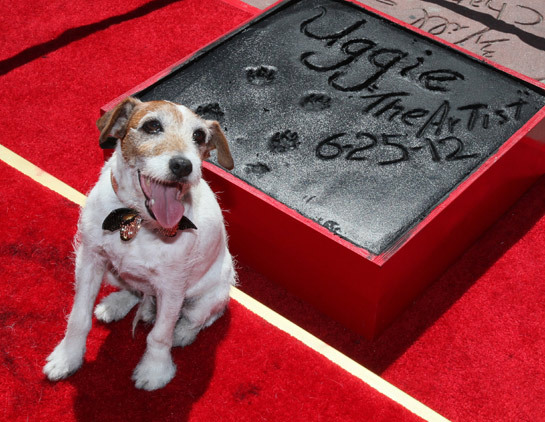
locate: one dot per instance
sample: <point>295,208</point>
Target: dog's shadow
<point>105,391</point>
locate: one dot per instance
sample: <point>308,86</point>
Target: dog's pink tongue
<point>167,209</point>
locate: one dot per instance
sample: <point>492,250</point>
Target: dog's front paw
<point>62,362</point>
<point>152,374</point>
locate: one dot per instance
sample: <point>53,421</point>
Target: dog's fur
<point>187,277</point>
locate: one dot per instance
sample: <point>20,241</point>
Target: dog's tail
<point>145,304</point>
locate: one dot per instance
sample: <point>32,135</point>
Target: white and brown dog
<point>153,227</point>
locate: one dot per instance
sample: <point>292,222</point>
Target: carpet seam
<point>70,35</point>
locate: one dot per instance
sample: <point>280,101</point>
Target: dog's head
<point>163,145</point>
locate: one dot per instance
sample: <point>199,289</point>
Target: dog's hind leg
<point>116,306</point>
<point>200,313</point>
<point>205,306</point>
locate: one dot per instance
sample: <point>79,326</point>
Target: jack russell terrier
<point>152,227</point>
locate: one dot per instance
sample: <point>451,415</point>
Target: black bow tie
<point>128,222</point>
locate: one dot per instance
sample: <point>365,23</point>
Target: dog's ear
<point>113,124</point>
<point>219,141</point>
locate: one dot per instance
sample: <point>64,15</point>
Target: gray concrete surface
<point>509,32</point>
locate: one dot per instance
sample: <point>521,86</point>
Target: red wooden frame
<point>365,292</point>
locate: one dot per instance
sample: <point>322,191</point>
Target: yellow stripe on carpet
<point>273,318</point>
<point>40,176</point>
<point>349,365</point>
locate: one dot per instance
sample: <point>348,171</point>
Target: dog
<point>152,227</point>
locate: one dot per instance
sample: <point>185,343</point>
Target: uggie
<point>153,227</point>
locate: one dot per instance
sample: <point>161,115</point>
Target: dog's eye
<point>152,126</point>
<point>199,137</point>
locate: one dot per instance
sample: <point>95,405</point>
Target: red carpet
<point>240,369</point>
<point>471,348</point>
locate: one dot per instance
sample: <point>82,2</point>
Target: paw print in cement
<point>284,141</point>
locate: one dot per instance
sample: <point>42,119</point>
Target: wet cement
<point>356,123</point>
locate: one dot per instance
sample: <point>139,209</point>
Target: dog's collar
<point>128,221</point>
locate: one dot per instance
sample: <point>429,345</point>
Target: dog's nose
<point>180,166</point>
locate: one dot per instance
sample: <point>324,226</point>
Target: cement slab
<point>511,33</point>
<point>358,124</point>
